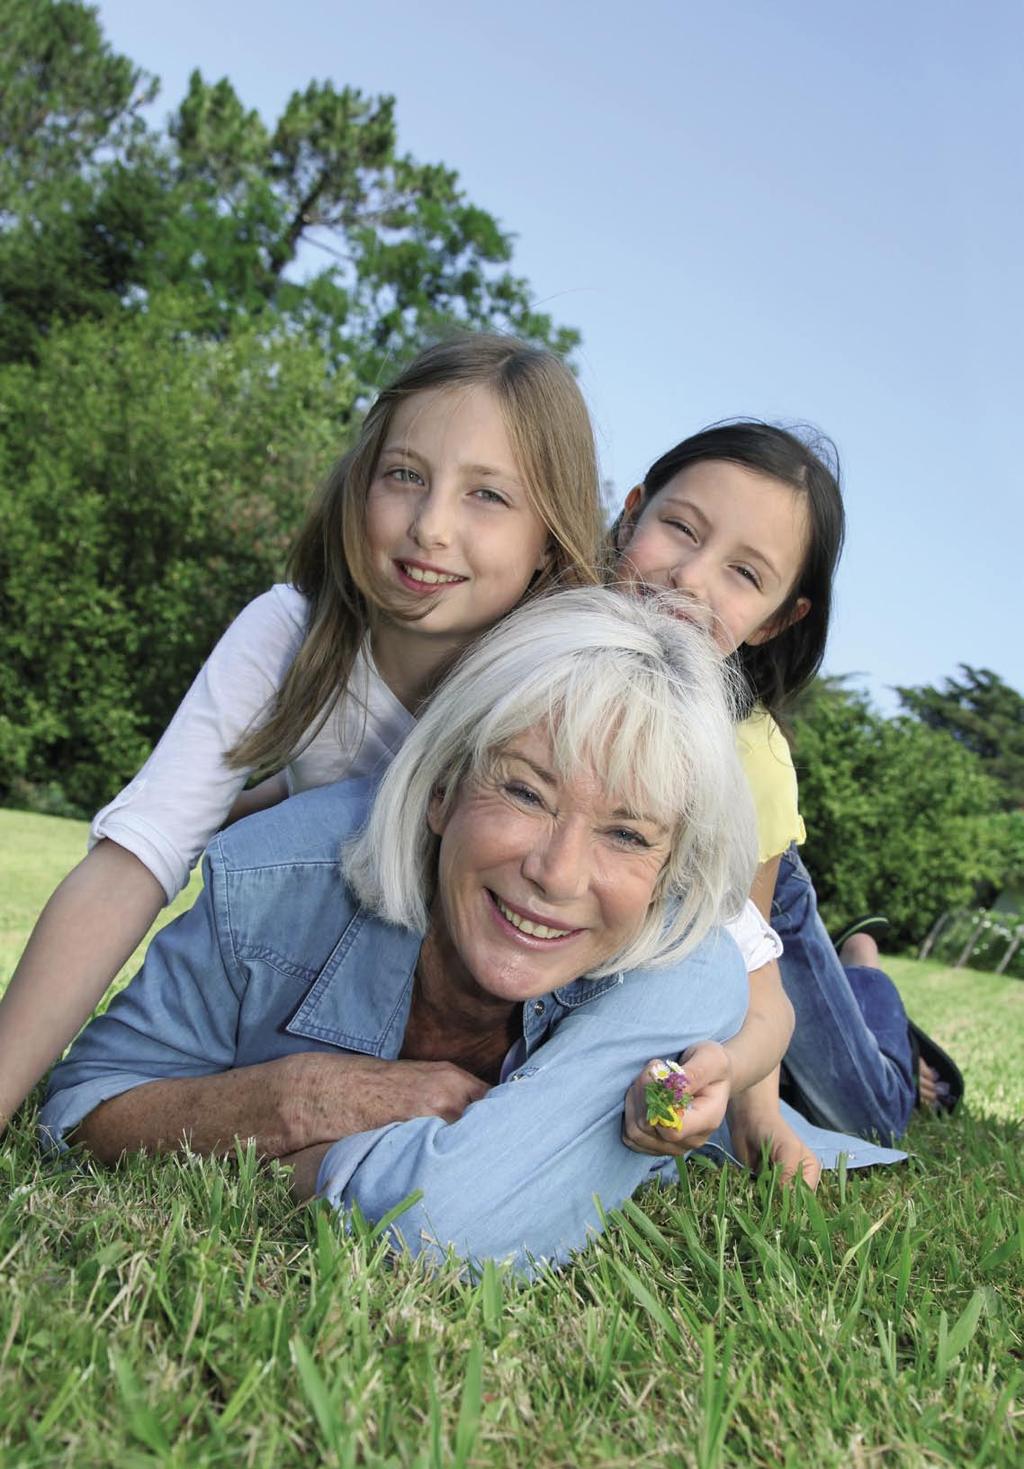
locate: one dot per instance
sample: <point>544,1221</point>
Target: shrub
<point>149,485</point>
<point>901,819</point>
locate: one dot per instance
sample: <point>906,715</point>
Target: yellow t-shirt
<point>764,754</point>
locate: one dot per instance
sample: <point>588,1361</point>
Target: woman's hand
<point>286,1105</point>
<point>709,1073</point>
<point>751,1125</point>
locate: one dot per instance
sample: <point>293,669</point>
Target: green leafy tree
<point>901,818</point>
<point>149,484</point>
<point>75,198</point>
<point>102,213</point>
<point>984,714</point>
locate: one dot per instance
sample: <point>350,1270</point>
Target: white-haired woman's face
<point>540,879</point>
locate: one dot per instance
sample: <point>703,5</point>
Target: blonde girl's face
<point>731,541</point>
<point>449,522</point>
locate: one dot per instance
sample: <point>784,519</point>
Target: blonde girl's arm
<point>146,842</point>
<point>88,930</point>
<point>260,797</point>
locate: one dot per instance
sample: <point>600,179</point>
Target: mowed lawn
<point>182,1312</point>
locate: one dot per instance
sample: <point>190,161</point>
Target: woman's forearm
<point>88,930</point>
<point>286,1105</point>
<point>204,1113</point>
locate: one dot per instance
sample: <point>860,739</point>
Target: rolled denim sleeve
<point>177,1018</point>
<point>518,1176</point>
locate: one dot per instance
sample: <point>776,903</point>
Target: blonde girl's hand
<point>709,1076</point>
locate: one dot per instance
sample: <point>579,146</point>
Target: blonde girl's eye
<point>402,474</point>
<point>490,497</point>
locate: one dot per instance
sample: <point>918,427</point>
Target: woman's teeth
<point>526,925</point>
<point>431,578</point>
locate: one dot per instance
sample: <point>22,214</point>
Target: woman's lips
<point>528,927</point>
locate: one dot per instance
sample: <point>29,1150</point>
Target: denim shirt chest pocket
<point>360,999</point>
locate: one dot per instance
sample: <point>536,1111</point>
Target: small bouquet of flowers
<point>668,1095</point>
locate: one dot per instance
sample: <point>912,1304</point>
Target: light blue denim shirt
<point>277,957</point>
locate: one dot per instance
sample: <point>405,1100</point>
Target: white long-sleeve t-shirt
<point>183,793</point>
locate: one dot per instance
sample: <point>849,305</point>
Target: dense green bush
<point>901,819</point>
<point>149,483</point>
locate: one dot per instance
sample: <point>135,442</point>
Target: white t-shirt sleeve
<point>758,942</point>
<point>183,793</point>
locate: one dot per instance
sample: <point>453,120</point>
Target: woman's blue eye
<point>403,474</point>
<point>629,838</point>
<point>523,793</point>
<point>490,497</point>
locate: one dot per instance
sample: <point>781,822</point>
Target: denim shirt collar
<point>360,999</point>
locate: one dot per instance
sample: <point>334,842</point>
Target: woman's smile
<point>543,877</point>
<point>528,925</point>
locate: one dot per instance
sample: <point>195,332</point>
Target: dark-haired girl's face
<point>731,541</point>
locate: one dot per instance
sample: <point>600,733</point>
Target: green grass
<point>182,1312</point>
<point>35,853</point>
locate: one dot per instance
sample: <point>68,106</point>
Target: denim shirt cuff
<point>342,1159</point>
<point>64,1110</point>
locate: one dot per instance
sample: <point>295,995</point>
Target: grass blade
<point>468,1425</point>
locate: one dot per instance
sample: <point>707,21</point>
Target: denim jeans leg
<point>850,1054</point>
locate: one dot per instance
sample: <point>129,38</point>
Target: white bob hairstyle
<point>624,689</point>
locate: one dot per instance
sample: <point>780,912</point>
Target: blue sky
<point>798,211</point>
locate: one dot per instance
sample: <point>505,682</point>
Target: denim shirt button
<point>538,1007</point>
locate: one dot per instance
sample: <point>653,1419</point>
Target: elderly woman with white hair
<point>525,910</point>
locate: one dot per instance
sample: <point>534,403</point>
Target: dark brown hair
<point>776,670</point>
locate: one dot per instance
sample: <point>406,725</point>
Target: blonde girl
<point>472,486</point>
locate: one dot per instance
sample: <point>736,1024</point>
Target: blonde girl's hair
<point>623,688</point>
<point>552,439</point>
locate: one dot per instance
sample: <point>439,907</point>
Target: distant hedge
<point>901,819</point>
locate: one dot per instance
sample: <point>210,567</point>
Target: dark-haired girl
<point>745,521</point>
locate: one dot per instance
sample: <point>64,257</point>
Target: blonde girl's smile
<point>421,577</point>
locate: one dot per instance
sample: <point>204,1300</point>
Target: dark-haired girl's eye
<point>683,526</point>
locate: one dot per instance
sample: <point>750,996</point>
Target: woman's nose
<point>558,863</point>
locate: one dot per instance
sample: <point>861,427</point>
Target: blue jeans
<point>850,1060</point>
